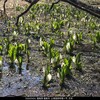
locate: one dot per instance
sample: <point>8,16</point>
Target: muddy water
<point>13,83</point>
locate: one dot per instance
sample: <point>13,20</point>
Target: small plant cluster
<point>15,52</point>
<point>46,47</point>
<point>70,44</point>
<point>47,77</point>
<point>64,68</point>
<point>95,38</point>
<point>50,52</point>
<point>77,61</point>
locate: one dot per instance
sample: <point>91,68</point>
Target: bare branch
<point>54,4</point>
<point>4,6</point>
<point>34,2</point>
<point>78,4</point>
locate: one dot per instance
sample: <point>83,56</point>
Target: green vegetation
<point>77,61</point>
<point>64,26</point>
<point>47,77</point>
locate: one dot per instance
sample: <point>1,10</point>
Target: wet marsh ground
<point>30,82</point>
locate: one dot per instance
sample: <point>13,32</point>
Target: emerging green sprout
<point>80,37</point>
<point>67,65</point>
<point>27,44</point>
<point>56,25</point>
<point>69,46</point>
<point>94,41</point>
<point>77,61</point>
<point>77,37</point>
<point>98,36</point>
<point>46,47</point>
<point>92,25</point>
<point>27,28</point>
<point>16,61</point>
<point>0,61</point>
<point>41,41</point>
<point>51,42</point>
<point>15,33</point>
<point>55,58</point>
<point>21,20</point>
<point>61,74</point>
<point>47,77</point>
<point>64,71</point>
<point>7,43</point>
<point>12,54</point>
<point>20,49</point>
<point>1,49</point>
